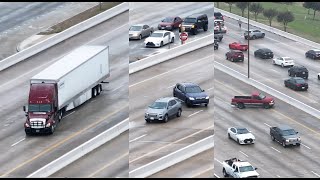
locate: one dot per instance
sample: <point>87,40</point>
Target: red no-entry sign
<point>183,36</point>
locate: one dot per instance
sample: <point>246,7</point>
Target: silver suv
<point>254,34</point>
<point>162,109</point>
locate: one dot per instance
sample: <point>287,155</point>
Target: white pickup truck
<point>236,168</point>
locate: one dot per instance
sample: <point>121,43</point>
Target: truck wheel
<point>229,136</point>
<point>60,115</point>
<point>165,118</point>
<point>318,77</point>
<point>94,92</point>
<point>224,173</point>
<point>298,144</point>
<point>98,87</point>
<point>283,144</point>
<point>240,105</point>
<point>147,120</point>
<point>52,129</point>
<point>179,113</point>
<point>266,106</point>
<point>272,138</point>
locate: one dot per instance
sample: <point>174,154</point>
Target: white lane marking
<point>276,149</point>
<point>117,88</point>
<point>46,64</point>
<point>210,88</point>
<point>164,142</point>
<point>305,146</point>
<point>218,160</point>
<point>92,100</point>
<point>315,174</point>
<point>18,142</point>
<point>195,113</point>
<point>216,175</point>
<point>267,124</point>
<point>202,172</point>
<point>171,86</point>
<point>180,67</point>
<point>243,153</point>
<point>137,138</point>
<point>69,114</point>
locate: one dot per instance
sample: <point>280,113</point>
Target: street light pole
<point>248,45</point>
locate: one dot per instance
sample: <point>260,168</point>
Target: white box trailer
<point>76,74</point>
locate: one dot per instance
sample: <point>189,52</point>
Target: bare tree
<point>230,5</point>
<point>242,6</point>
<point>256,8</point>
<point>285,18</point>
<point>315,7</point>
<point>270,14</point>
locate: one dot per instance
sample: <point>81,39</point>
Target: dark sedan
<point>170,23</point>
<point>235,55</point>
<point>191,94</point>
<point>264,53</point>
<point>296,83</point>
<point>313,54</point>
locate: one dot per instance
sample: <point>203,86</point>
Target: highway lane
<point>20,20</point>
<point>263,70</point>
<point>271,159</point>
<point>151,141</point>
<point>113,161</point>
<point>187,169</point>
<point>23,155</point>
<point>151,13</point>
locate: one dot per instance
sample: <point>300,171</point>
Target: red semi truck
<point>256,99</point>
<point>66,84</point>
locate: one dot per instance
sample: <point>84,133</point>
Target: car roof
<point>188,84</point>
<point>265,49</point>
<point>242,163</point>
<point>165,99</point>
<point>161,31</point>
<point>315,49</point>
<point>239,128</point>
<point>217,13</point>
<point>195,15</point>
<point>237,51</point>
<point>284,127</point>
<point>138,25</point>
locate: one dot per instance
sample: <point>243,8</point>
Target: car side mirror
<point>297,132</point>
<point>24,108</point>
<point>202,90</point>
<point>255,168</point>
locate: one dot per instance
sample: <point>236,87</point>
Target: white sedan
<point>241,135</point>
<point>283,61</point>
<point>159,38</point>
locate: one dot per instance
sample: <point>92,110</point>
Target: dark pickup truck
<point>285,135</point>
<point>256,99</point>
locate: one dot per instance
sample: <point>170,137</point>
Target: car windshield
<point>300,81</point>
<point>193,89</point>
<point>246,168</point>
<point>287,59</point>
<point>167,19</point>
<point>317,52</point>
<point>288,132</point>
<point>135,28</point>
<point>242,131</point>
<point>158,105</point>
<point>261,96</point>
<point>190,20</point>
<point>267,50</point>
<point>156,35</point>
<point>39,108</point>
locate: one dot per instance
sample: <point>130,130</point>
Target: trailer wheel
<point>60,115</point>
<point>94,92</point>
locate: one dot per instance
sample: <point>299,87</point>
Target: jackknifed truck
<point>66,84</point>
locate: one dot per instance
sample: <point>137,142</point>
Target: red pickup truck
<point>238,46</point>
<point>256,99</point>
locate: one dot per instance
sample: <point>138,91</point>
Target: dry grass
<point>79,18</point>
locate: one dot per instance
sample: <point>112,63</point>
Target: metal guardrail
<point>271,29</point>
<point>288,99</point>
<point>81,150</point>
<point>172,158</point>
<point>76,29</point>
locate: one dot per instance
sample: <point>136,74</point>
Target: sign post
<point>183,37</point>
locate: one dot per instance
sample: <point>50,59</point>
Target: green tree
<point>230,5</point>
<point>308,5</point>
<point>285,18</point>
<point>242,6</point>
<point>270,14</point>
<point>256,8</point>
<point>315,7</point>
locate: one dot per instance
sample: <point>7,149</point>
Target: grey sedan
<point>162,109</point>
<point>139,31</point>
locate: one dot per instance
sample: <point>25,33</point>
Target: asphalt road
<point>20,20</point>
<point>151,141</point>
<point>263,70</point>
<point>23,155</point>
<point>271,159</point>
<point>151,13</point>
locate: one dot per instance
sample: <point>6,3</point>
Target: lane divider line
<point>276,149</point>
<point>195,113</point>
<point>137,138</point>
<point>243,153</point>
<point>315,174</point>
<point>18,142</point>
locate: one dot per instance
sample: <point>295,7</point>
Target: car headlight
<point>135,34</point>
<point>193,26</point>
<point>191,98</point>
<point>179,25</point>
<point>287,140</point>
<point>299,139</point>
<point>27,125</point>
<point>48,125</point>
<point>207,97</point>
<point>147,114</point>
<point>168,26</point>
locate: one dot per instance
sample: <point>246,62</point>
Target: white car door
<point>279,61</point>
<point>166,38</point>
<point>233,134</point>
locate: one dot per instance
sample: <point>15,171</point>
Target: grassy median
<point>303,25</point>
<point>80,17</point>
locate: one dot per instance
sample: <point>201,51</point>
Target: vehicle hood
<point>245,136</point>
<point>187,24</point>
<point>134,32</point>
<point>248,174</point>
<point>201,94</point>
<point>155,111</point>
<point>166,23</point>
<point>153,39</point>
<point>268,99</point>
<point>295,136</point>
<point>43,115</point>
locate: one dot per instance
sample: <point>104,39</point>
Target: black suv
<point>195,22</point>
<point>298,71</point>
<point>264,53</point>
<point>218,15</point>
<point>191,94</point>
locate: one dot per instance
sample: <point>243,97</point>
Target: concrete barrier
<point>271,29</point>
<point>76,29</point>
<point>82,150</point>
<point>172,158</point>
<point>172,53</point>
<point>298,104</point>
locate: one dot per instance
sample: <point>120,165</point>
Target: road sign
<point>183,36</point>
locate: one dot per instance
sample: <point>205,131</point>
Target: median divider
<point>76,29</point>
<point>82,150</point>
<point>298,104</point>
<point>271,29</point>
<point>172,53</point>
<point>172,158</point>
